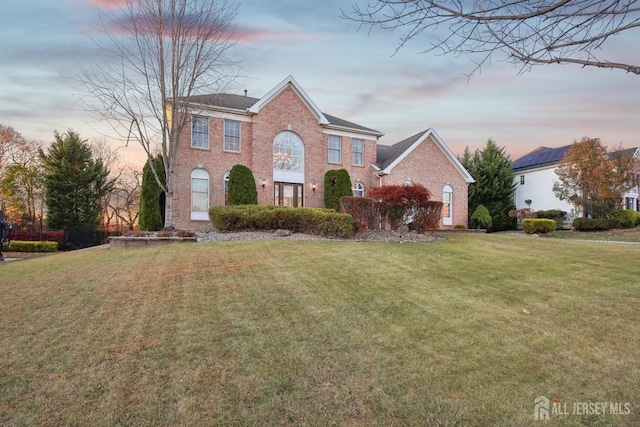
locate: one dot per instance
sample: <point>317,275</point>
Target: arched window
<point>447,205</point>
<point>288,152</point>
<point>199,194</point>
<point>358,189</point>
<point>226,188</point>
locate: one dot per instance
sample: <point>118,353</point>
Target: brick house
<point>289,145</point>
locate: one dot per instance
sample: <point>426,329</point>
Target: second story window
<point>358,190</point>
<point>231,136</point>
<point>199,132</point>
<point>335,149</point>
<point>357,152</point>
<point>521,179</point>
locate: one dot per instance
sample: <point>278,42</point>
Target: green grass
<point>618,235</point>
<point>321,333</point>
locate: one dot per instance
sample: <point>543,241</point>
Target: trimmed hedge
<point>33,236</point>
<point>625,218</point>
<point>326,222</point>
<point>538,225</point>
<point>551,214</point>
<point>588,224</point>
<point>28,246</point>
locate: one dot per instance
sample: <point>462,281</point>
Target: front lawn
<point>468,331</point>
<point>618,235</point>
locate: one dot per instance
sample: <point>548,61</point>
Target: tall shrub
<point>337,183</point>
<point>242,186</point>
<point>152,196</point>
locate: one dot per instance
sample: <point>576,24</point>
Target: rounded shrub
<point>481,217</point>
<point>538,225</point>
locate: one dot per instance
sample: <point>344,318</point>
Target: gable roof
<point>289,81</point>
<point>390,156</point>
<point>247,104</point>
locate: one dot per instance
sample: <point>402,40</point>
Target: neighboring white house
<point>535,175</point>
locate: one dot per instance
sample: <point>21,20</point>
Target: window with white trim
<point>335,149</point>
<point>199,132</point>
<point>357,152</point>
<point>231,136</point>
<point>288,152</point>
<point>521,179</point>
<point>199,194</point>
<point>447,202</point>
<point>226,188</point>
<point>358,190</point>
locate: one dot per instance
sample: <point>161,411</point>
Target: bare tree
<point>159,52</point>
<point>109,157</point>
<point>12,143</point>
<point>124,199</point>
<point>528,32</point>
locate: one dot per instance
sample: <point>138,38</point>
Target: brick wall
<point>288,112</point>
<point>428,165</point>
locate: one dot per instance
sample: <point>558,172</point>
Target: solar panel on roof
<point>540,158</point>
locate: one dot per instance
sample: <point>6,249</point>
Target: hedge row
<point>550,214</point>
<point>588,224</point>
<point>29,246</point>
<point>538,225</point>
<point>325,222</point>
<point>625,218</point>
<point>31,236</point>
<point>616,219</point>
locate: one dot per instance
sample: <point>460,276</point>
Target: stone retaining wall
<point>126,242</point>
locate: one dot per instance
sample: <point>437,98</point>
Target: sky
<point>347,71</point>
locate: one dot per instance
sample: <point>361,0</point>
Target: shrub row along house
<point>289,145</point>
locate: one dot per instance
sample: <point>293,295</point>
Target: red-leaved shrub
<point>364,210</point>
<point>398,202</point>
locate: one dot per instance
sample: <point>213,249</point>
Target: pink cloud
<point>108,4</point>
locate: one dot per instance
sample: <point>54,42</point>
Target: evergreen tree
<point>74,183</point>
<point>467,159</point>
<point>152,196</point>
<point>337,183</point>
<point>242,186</point>
<point>494,186</point>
